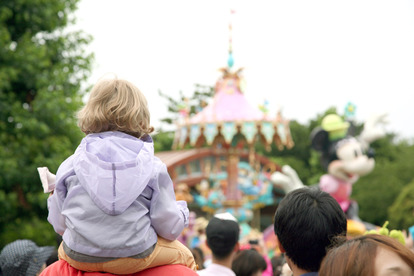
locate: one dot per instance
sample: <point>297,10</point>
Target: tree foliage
<point>163,141</point>
<point>393,171</point>
<point>198,100</point>
<point>42,68</point>
<point>401,212</point>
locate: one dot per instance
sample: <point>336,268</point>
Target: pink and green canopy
<point>229,115</point>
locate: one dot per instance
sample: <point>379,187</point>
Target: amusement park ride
<point>214,151</point>
<point>215,167</point>
<point>222,162</point>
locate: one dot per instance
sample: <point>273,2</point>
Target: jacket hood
<point>114,168</point>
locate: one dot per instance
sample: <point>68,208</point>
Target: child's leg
<point>165,252</point>
<point>78,265</point>
<point>171,252</point>
<point>118,266</point>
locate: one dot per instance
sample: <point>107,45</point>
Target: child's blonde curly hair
<point>115,105</point>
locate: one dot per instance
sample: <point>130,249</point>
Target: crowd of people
<point>114,207</point>
<point>310,229</point>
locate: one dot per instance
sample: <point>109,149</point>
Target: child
<point>114,201</point>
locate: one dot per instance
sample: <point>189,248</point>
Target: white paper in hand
<point>47,178</point>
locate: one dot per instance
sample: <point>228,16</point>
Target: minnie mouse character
<point>344,157</point>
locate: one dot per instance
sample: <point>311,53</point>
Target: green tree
<point>163,141</point>
<point>377,191</point>
<point>401,211</point>
<point>198,100</point>
<point>42,68</point>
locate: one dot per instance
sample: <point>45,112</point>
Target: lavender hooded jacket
<point>113,197</point>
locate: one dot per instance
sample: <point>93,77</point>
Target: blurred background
<point>305,58</point>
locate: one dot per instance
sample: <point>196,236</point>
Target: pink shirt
<point>62,268</point>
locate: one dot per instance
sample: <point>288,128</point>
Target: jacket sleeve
<point>55,201</point>
<point>54,205</point>
<point>168,216</point>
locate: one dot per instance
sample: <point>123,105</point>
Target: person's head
<point>306,221</point>
<point>369,255</point>
<point>222,234</point>
<point>277,264</point>
<point>248,263</point>
<point>24,258</point>
<point>115,105</point>
<point>198,257</point>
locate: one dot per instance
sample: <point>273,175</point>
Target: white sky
<point>303,56</point>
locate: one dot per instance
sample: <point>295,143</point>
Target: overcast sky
<point>302,56</point>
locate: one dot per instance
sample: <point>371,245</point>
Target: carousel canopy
<point>230,115</point>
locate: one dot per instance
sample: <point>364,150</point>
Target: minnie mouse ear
<point>320,139</point>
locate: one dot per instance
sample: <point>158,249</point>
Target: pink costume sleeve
<point>328,184</point>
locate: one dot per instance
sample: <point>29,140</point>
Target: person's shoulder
<point>65,168</point>
<point>215,269</point>
<point>62,268</point>
<point>176,269</point>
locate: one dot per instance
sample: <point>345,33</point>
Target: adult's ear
<point>320,139</point>
<point>236,247</point>
<point>280,245</point>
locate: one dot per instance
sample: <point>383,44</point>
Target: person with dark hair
<point>222,233</point>
<point>249,263</point>
<point>24,258</point>
<point>277,264</point>
<point>368,255</point>
<point>306,221</point>
<point>198,257</point>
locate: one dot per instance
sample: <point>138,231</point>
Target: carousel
<point>214,164</point>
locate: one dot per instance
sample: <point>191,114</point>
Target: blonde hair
<point>115,105</point>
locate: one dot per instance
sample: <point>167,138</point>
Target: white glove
<point>288,179</point>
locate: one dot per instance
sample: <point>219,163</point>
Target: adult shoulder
<point>62,268</point>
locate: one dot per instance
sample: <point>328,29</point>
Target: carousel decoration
<point>231,126</point>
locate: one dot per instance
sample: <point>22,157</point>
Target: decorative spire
<point>230,60</point>
<point>350,111</point>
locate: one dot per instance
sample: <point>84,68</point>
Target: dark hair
<point>357,256</point>
<point>277,264</point>
<point>198,257</point>
<point>248,262</point>
<point>306,222</point>
<point>222,236</point>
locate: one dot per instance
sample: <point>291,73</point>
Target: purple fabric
<point>113,197</point>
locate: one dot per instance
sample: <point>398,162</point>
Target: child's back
<point>117,196</point>
<point>113,198</point>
